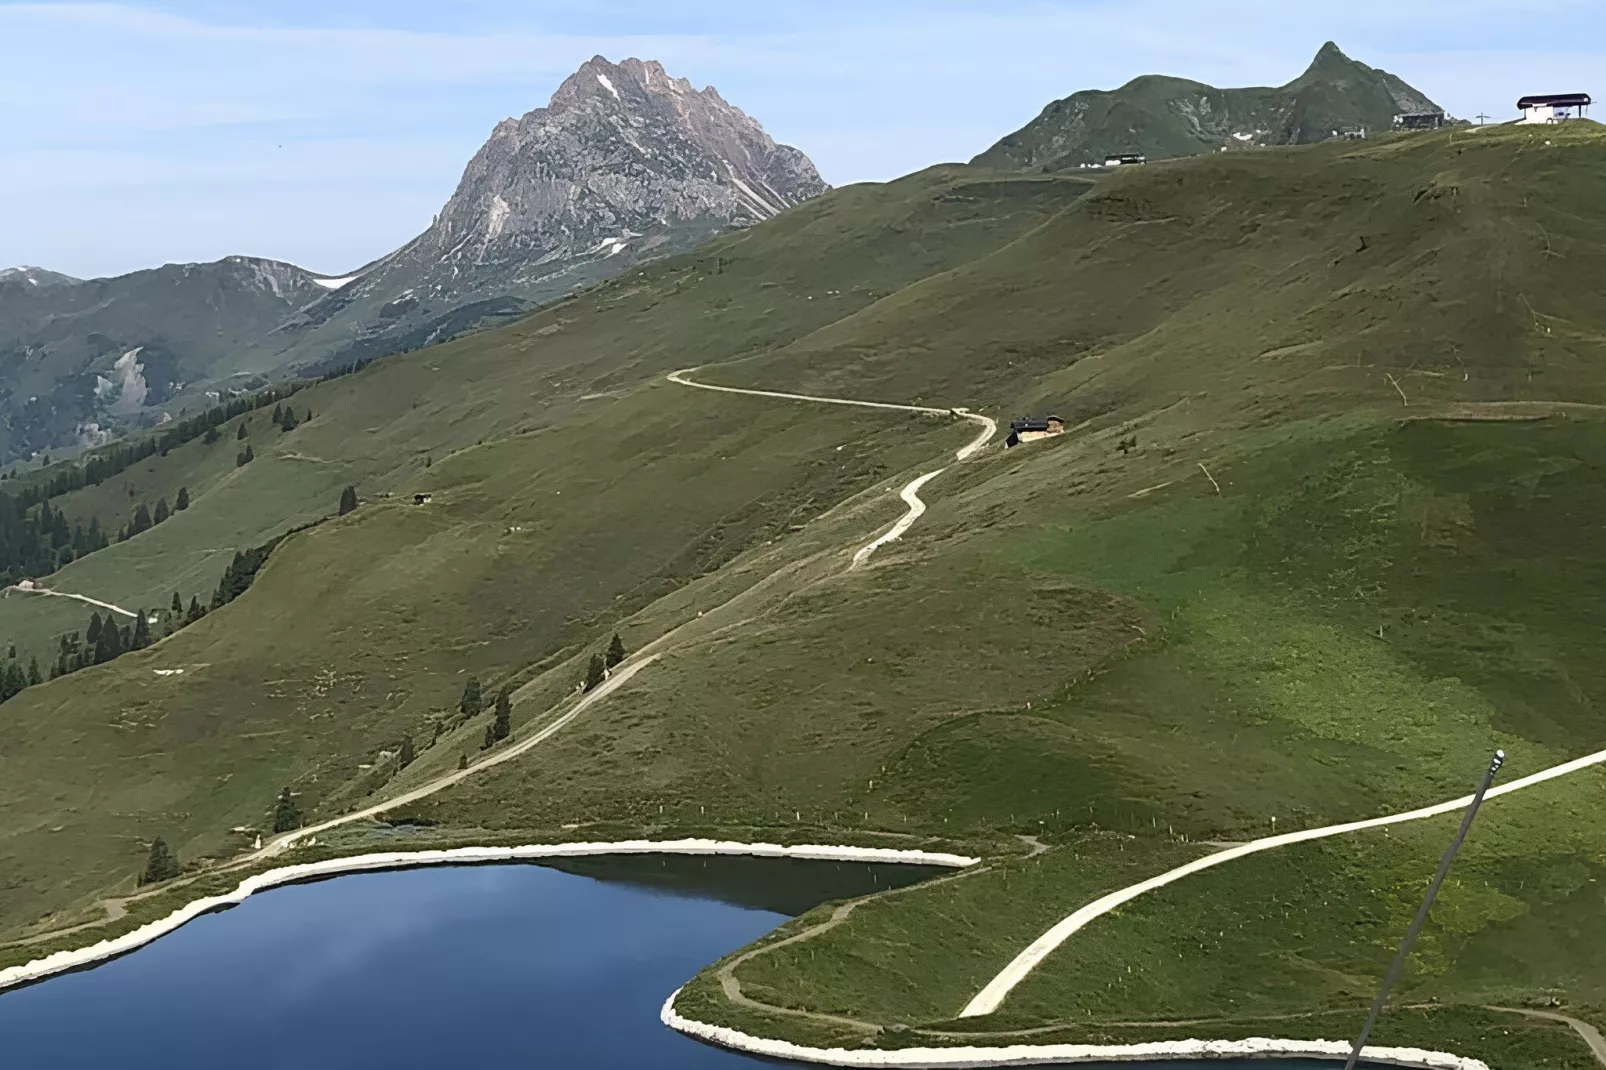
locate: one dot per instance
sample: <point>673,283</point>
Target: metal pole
<point>1422,915</point>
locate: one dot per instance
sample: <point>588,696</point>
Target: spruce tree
<point>109,644</point>
<point>348,500</point>
<point>211,435</point>
<point>182,502</point>
<point>407,755</point>
<point>286,814</point>
<point>462,761</point>
<point>142,519</point>
<point>244,457</point>
<point>472,702</point>
<point>93,634</point>
<point>241,433</point>
<point>195,612</point>
<point>160,865</point>
<point>616,651</point>
<point>595,672</point>
<point>289,423</point>
<point>490,738</point>
<point>278,413</point>
<point>161,511</point>
<point>502,724</point>
<point>178,606</point>
<point>142,631</point>
<point>13,651</point>
<point>34,676</point>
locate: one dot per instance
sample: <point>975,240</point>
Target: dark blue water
<point>491,966</point>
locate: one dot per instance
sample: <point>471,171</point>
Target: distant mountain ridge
<point>1163,117</point>
<point>625,163</point>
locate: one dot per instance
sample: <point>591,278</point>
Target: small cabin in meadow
<point>420,499</point>
<point>1031,428</point>
<point>1124,159</point>
<point>1553,107</point>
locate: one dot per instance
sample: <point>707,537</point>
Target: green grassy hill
<point>1165,117</point>
<point>1352,553</point>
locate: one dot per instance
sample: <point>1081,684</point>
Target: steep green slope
<point>115,353</point>
<point>571,487</point>
<point>1350,555</point>
<point>1164,117</point>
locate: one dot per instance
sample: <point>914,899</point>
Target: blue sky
<point>327,133</point>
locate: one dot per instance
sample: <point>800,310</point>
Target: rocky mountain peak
<point>623,155</point>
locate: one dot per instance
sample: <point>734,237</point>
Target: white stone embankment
<point>1058,1054</point>
<point>62,961</point>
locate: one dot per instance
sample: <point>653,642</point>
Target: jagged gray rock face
<point>625,162</point>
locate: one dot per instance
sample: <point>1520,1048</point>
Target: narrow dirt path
<point>990,997</point>
<point>911,490</point>
<point>731,985</point>
<point>1591,1035</point>
<point>116,908</point>
<point>33,588</point>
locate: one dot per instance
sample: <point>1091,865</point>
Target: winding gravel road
<point>911,490</point>
<point>990,997</point>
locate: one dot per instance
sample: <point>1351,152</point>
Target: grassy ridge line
<point>996,990</point>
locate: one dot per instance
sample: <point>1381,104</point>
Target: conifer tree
<point>34,676</point>
<point>92,636</point>
<point>472,702</point>
<point>490,738</point>
<point>142,631</point>
<point>160,865</point>
<point>109,644</point>
<point>502,724</point>
<point>178,606</point>
<point>182,502</point>
<point>195,612</point>
<point>241,433</point>
<point>142,520</point>
<point>348,500</point>
<point>161,511</point>
<point>286,814</point>
<point>407,755</point>
<point>595,672</point>
<point>278,413</point>
<point>211,436</point>
<point>289,423</point>
<point>616,651</point>
<point>462,761</point>
<point>12,680</point>
<point>13,651</point>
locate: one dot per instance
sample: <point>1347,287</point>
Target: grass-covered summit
<point>1164,117</point>
<point>1350,555</point>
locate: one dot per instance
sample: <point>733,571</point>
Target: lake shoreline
<point>74,959</point>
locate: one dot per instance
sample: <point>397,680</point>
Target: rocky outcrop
<point>625,162</point>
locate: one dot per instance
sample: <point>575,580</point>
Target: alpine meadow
<point>1322,532</point>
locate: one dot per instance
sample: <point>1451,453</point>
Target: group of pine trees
<point>107,461</point>
<point>39,542</point>
<point>105,639</point>
<point>145,518</point>
<point>599,665</point>
<point>284,417</point>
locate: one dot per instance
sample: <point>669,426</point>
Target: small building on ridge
<point>1553,107</point>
